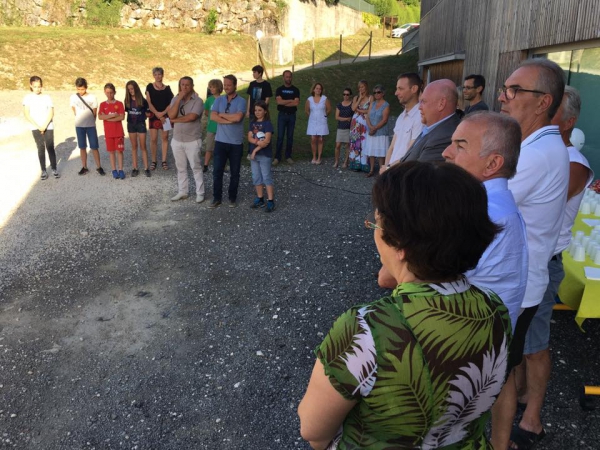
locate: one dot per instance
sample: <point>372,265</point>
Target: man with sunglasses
<point>473,88</point>
<point>532,95</point>
<point>228,111</point>
<point>185,112</point>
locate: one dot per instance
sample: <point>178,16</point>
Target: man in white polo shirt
<point>532,95</point>
<point>408,125</point>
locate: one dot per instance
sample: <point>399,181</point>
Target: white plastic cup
<point>579,253</point>
<point>581,234</point>
<point>597,259</point>
<point>593,250</point>
<point>586,208</point>
<point>585,241</point>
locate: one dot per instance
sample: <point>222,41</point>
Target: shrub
<point>371,20</point>
<point>210,24</point>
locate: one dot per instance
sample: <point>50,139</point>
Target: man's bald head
<point>438,101</point>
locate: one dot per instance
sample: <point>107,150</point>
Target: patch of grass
<point>383,71</point>
<point>61,54</point>
<point>329,49</point>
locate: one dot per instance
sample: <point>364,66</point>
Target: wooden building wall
<point>494,35</point>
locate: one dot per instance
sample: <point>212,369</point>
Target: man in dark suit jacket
<point>440,119</point>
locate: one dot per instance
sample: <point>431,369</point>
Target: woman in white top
<point>317,108</point>
<point>39,111</point>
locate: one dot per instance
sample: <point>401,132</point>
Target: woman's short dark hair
<point>437,214</point>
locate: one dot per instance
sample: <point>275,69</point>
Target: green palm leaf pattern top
<point>425,365</point>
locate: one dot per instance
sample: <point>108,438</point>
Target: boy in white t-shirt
<point>85,108</point>
<point>39,111</point>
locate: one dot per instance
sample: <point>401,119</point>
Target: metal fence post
<point>340,61</point>
<point>370,43</point>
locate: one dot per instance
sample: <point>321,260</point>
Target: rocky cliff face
<point>296,19</point>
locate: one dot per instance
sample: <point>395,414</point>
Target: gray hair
<point>551,79</point>
<point>158,70</point>
<point>379,87</point>
<point>571,103</point>
<point>502,136</point>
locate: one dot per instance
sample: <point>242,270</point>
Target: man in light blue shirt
<point>487,145</point>
<point>228,111</point>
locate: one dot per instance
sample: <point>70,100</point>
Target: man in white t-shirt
<point>537,340</point>
<point>408,125</point>
<point>532,94</point>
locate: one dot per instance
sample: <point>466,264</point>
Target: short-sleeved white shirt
<point>408,127</point>
<point>39,105</point>
<point>83,116</point>
<point>540,190</point>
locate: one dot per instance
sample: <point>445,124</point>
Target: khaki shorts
<point>209,142</point>
<point>343,136</point>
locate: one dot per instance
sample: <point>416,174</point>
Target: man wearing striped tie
<point>532,95</point>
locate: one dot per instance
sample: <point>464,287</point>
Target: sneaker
<point>290,161</point>
<point>179,197</point>
<point>135,173</point>
<point>199,198</point>
<point>147,172</point>
<point>115,174</point>
<point>83,171</point>
<point>44,175</point>
<point>259,202</point>
<point>270,206</point>
<point>55,173</point>
<point>275,162</point>
<point>232,204</point>
<point>205,169</point>
<point>100,171</point>
<point>121,174</point>
<point>214,204</point>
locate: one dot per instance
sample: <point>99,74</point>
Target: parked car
<point>400,31</point>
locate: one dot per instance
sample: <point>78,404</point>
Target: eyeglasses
<point>227,107</point>
<point>377,92</point>
<point>511,92</point>
<point>346,94</point>
<point>468,88</point>
<point>370,222</point>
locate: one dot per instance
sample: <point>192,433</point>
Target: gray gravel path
<point>131,322</point>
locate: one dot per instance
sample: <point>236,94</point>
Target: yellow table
<point>576,291</point>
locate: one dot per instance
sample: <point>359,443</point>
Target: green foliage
<point>332,2</point>
<point>105,13</point>
<point>370,20</point>
<point>210,23</point>
<point>409,14</point>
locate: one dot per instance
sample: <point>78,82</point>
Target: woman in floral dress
<point>358,128</point>
<point>422,367</point>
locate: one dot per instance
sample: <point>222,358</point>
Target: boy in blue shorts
<point>85,108</point>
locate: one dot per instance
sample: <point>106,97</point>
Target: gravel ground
<point>131,322</point>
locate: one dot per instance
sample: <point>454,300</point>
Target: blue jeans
<point>222,153</point>
<point>285,124</point>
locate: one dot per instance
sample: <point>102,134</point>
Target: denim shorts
<point>261,171</point>
<point>137,127</point>
<point>92,137</point>
<point>538,335</point>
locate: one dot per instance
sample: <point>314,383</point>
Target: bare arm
<point>173,109</point>
<point>388,154</point>
<point>150,105</point>
<point>578,175</point>
<point>322,410</point>
<point>307,108</point>
<point>327,107</point>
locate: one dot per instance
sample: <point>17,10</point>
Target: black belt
<point>555,257</point>
<point>288,113</point>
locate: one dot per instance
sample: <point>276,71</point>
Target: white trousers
<point>185,152</point>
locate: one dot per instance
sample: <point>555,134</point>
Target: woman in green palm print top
<point>422,367</point>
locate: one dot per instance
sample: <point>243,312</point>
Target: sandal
<point>153,165</point>
<point>525,440</point>
<point>165,166</point>
<point>369,175</point>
